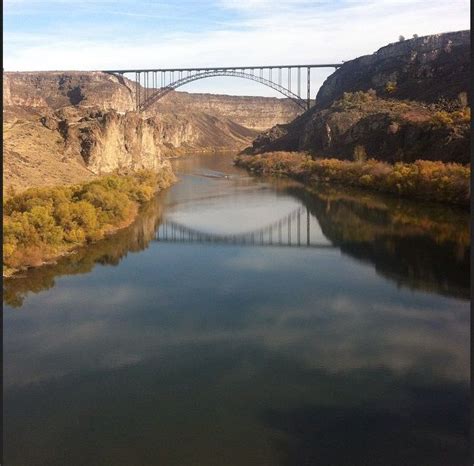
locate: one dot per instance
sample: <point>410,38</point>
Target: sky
<point>124,34</point>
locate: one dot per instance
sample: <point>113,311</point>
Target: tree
<point>401,38</point>
<point>415,36</point>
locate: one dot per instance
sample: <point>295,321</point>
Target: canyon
<point>65,127</point>
<point>408,100</point>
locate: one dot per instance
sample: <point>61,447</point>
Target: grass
<point>423,179</point>
<point>41,224</point>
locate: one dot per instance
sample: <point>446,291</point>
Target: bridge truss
<point>153,84</point>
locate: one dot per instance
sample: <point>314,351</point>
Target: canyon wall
<point>258,113</point>
<point>44,146</point>
<point>62,127</point>
<point>407,101</point>
<point>425,69</point>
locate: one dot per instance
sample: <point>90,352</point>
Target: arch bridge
<point>153,84</point>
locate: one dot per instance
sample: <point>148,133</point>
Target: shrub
<point>423,179</point>
<point>351,100</point>
<point>451,118</point>
<point>40,223</point>
<point>442,118</point>
<point>390,87</point>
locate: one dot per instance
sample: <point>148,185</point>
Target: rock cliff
<point>67,126</point>
<point>259,113</point>
<point>407,101</point>
<point>424,69</point>
<point>45,146</point>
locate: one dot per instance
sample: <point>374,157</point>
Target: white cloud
<point>262,33</point>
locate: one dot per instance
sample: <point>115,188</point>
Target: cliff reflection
<point>417,245</point>
<point>109,251</point>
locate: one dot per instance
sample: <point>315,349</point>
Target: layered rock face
<point>425,69</point>
<point>259,113</point>
<point>56,89</point>
<point>86,122</point>
<point>43,146</point>
<point>407,101</point>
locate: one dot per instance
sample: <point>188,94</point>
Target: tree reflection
<point>417,245</point>
<point>109,251</point>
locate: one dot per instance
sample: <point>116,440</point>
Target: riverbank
<point>424,180</point>
<point>42,224</point>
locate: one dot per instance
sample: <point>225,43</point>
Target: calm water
<point>242,321</point>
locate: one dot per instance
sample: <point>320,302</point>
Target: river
<point>245,321</point>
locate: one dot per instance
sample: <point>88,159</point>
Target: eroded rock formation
<point>67,126</point>
<point>407,101</point>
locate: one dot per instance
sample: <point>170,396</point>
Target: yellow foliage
<point>423,179</point>
<point>41,222</point>
<point>390,87</point>
<point>445,118</point>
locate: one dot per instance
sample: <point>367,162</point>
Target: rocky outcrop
<point>109,141</point>
<point>63,127</point>
<point>393,119</point>
<point>55,89</point>
<point>424,69</point>
<point>42,146</point>
<point>258,113</point>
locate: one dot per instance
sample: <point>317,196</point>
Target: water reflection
<point>225,354</point>
<point>109,251</point>
<point>418,245</point>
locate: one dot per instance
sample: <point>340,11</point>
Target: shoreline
<point>422,180</point>
<point>163,180</point>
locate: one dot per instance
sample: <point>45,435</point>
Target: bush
<point>390,87</point>
<point>423,179</point>
<point>41,223</point>
<point>451,118</point>
<point>352,100</point>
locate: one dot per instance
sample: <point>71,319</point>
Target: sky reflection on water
<point>218,354</point>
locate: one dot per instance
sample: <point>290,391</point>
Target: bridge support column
<point>308,98</point>
<point>299,81</point>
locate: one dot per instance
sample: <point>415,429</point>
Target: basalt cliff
<point>63,127</point>
<point>409,100</point>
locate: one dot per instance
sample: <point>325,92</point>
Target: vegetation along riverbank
<point>422,179</point>
<point>41,224</point>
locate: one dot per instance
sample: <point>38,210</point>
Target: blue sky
<point>110,34</point>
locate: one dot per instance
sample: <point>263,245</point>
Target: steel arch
<point>215,73</point>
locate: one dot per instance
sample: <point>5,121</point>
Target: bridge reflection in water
<point>293,230</point>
